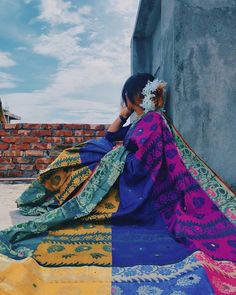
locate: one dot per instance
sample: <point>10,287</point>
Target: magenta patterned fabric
<point>191,216</point>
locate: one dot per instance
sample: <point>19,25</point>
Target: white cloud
<point>21,48</point>
<point>41,107</point>
<point>6,60</point>
<point>102,62</point>
<point>127,7</point>
<point>60,12</point>
<point>7,81</point>
<point>87,83</point>
<point>127,10</point>
<point>61,45</point>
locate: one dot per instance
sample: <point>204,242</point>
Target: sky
<point>65,61</point>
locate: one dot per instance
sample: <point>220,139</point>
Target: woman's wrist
<point>117,124</point>
<point>125,115</point>
<point>123,119</point>
<point>125,112</point>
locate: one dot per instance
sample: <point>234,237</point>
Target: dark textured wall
<point>192,45</point>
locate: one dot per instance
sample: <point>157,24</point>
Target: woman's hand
<point>125,112</point>
<point>116,125</point>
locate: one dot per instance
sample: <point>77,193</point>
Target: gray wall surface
<point>192,46</point>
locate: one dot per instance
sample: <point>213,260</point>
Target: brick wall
<point>27,148</point>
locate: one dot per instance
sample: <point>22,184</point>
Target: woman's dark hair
<point>134,86</point>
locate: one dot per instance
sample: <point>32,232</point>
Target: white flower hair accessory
<point>149,95</point>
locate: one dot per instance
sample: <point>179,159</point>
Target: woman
<point>148,202</point>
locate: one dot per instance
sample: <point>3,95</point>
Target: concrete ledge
<point>9,214</point>
<point>17,180</point>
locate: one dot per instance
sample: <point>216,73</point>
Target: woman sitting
<point>148,201</point>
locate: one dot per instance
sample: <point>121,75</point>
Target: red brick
<point>97,127</point>
<point>41,132</point>
<point>88,132</point>
<point>20,160</point>
<point>13,133</point>
<point>93,126</point>
<point>80,139</point>
<point>56,126</point>
<point>11,126</point>
<point>53,139</point>
<point>5,160</point>
<point>26,167</point>
<point>63,133</point>
<point>21,132</point>
<point>7,166</point>
<point>30,139</point>
<point>31,126</point>
<point>14,173</point>
<point>100,133</point>
<point>34,153</point>
<point>3,133</point>
<point>3,146</point>
<point>79,132</point>
<point>42,146</point>
<point>70,140</point>
<point>73,139</point>
<point>84,132</point>
<point>44,161</point>
<point>24,132</point>
<point>86,126</point>
<point>10,139</point>
<point>51,126</point>
<point>13,153</point>
<point>73,126</point>
<point>41,166</point>
<point>25,146</point>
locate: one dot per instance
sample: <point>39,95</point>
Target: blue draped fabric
<point>93,150</point>
<point>139,234</point>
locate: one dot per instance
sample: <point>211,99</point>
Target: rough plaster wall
<point>140,48</point>
<point>204,93</point>
<point>166,71</point>
<point>193,48</point>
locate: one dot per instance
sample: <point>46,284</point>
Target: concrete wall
<point>191,44</point>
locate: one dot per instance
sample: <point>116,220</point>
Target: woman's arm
<point>116,132</point>
<point>118,123</point>
<point>118,135</point>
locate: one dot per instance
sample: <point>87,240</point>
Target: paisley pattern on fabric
<point>36,200</point>
<point>87,242</point>
<point>221,274</point>
<point>93,192</point>
<point>63,177</point>
<point>185,277</point>
<point>216,189</point>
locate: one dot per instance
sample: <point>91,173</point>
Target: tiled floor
<point>9,213</point>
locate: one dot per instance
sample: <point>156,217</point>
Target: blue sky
<point>65,61</point>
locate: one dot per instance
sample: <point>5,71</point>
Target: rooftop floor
<point>9,214</point>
